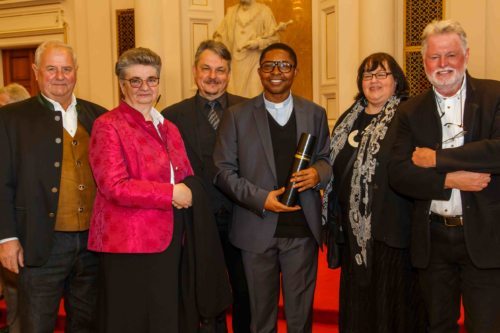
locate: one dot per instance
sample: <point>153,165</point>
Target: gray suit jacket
<point>246,169</point>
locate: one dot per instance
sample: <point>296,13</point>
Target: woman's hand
<point>182,196</point>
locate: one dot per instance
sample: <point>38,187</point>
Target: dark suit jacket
<point>419,126</point>
<point>205,289</point>
<point>184,116</point>
<point>28,148</point>
<point>247,173</point>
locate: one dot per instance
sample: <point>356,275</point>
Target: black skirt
<point>389,303</point>
<point>140,292</point>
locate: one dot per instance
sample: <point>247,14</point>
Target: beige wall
<point>91,29</point>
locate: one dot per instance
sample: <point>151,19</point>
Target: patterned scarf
<point>363,169</point>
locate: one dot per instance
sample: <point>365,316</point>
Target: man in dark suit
<point>447,157</point>
<point>254,152</point>
<point>197,119</point>
<point>46,196</point>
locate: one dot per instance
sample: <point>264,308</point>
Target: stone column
<point>377,24</point>
<point>158,27</point>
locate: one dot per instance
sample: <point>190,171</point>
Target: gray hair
<point>15,91</point>
<point>137,56</point>
<point>216,47</point>
<point>53,44</point>
<point>443,27</point>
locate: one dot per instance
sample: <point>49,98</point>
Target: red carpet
<point>326,304</point>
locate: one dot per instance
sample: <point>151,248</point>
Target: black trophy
<point>300,162</point>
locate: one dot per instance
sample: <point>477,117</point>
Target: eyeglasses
<point>283,66</point>
<point>456,136</point>
<point>378,76</point>
<point>136,82</point>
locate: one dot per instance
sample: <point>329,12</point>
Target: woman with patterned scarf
<point>378,287</point>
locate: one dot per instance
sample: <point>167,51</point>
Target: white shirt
<point>451,111</point>
<point>157,118</point>
<point>281,112</point>
<point>69,116</point>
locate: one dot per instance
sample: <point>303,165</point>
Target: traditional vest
<point>77,190</point>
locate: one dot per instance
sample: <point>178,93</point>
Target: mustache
<point>453,70</point>
<point>212,81</point>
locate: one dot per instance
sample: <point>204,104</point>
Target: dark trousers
<point>236,272</point>
<point>452,275</point>
<point>297,261</point>
<point>139,293</point>
<point>10,291</point>
<point>70,272</point>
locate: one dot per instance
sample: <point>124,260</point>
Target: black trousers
<point>451,275</point>
<point>70,272</point>
<point>140,292</point>
<point>236,272</point>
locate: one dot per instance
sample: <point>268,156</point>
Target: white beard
<point>446,84</point>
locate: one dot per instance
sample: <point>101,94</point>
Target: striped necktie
<point>213,117</point>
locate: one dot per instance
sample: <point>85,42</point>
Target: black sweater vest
<point>284,140</point>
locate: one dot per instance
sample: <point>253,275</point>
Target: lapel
<point>84,116</point>
<point>470,110</point>
<point>303,121</point>
<point>190,126</point>
<point>429,103</point>
<point>260,115</point>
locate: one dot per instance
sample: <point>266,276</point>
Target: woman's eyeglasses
<point>136,82</point>
<point>378,76</point>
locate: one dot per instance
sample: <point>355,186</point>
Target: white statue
<point>247,29</point>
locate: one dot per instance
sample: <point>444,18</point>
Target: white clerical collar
<point>278,106</point>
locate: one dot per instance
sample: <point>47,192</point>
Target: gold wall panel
<point>298,35</point>
<point>125,27</point>
<point>418,13</point>
<point>415,73</point>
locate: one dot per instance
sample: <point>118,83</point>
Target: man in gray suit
<point>254,150</point>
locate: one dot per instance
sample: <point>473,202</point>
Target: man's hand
<point>424,157</point>
<point>305,179</point>
<point>272,203</point>
<point>182,196</point>
<point>467,181</point>
<point>11,255</point>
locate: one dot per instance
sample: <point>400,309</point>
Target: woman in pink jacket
<point>138,159</point>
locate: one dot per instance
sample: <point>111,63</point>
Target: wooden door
<point>17,68</point>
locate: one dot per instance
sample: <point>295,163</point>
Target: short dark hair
<point>280,46</point>
<point>137,56</point>
<point>371,63</point>
<point>216,47</point>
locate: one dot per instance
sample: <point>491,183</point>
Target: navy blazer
<point>247,172</point>
<point>419,125</point>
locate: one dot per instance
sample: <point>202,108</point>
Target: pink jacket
<point>133,207</point>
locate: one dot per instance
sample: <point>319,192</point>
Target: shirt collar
<point>202,101</point>
<point>278,106</point>
<point>156,117</point>
<point>58,107</point>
